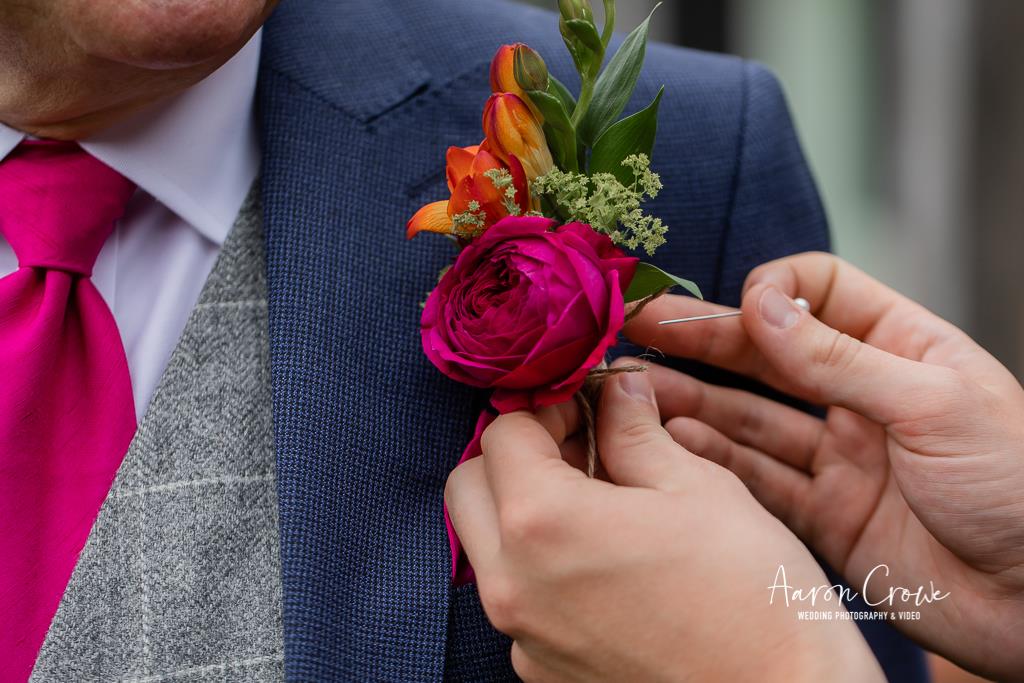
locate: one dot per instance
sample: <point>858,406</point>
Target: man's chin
<point>164,35</point>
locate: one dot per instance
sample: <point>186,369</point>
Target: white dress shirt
<point>194,158</point>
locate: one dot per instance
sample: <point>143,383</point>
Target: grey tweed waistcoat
<point>180,578</point>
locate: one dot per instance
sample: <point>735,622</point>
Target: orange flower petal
<point>466,167</point>
<point>479,189</point>
<point>458,162</point>
<point>430,218</point>
<point>503,77</point>
<point>512,130</point>
<point>484,160</point>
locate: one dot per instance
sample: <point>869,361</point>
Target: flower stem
<point>586,92</point>
<point>609,22</point>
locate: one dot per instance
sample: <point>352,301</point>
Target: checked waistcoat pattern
<point>180,578</point>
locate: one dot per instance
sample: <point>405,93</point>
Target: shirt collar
<point>196,153</point>
<point>9,139</point>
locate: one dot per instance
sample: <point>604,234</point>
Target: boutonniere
<point>545,212</point>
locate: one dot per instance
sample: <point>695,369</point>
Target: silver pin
<point>799,301</point>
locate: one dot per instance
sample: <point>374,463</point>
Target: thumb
<point>635,449</point>
<point>826,366</point>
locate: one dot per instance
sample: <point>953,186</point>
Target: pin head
<point>802,303</point>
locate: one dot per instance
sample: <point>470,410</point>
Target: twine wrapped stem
<point>589,395</point>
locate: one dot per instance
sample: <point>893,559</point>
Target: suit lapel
<point>366,430</point>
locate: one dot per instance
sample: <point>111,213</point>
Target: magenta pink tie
<point>66,409</point>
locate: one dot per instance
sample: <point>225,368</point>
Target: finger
<point>562,420</point>
<point>526,667</point>
<point>574,452</point>
<point>780,488</point>
<point>472,511</point>
<point>824,365</point>
<point>785,433</point>
<point>847,299</point>
<point>522,450</point>
<point>635,449</point>
<point>520,662</point>
<point>722,343</point>
<point>840,295</point>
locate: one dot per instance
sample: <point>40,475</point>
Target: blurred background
<point>911,114</point>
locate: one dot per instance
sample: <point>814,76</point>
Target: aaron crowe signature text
<point>918,596</point>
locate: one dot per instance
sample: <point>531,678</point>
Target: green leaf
<point>649,279</point>
<point>587,34</point>
<point>632,135</point>
<point>558,129</point>
<point>562,149</point>
<point>551,108</point>
<point>615,84</point>
<point>558,89</point>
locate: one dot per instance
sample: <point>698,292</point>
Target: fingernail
<point>777,309</point>
<point>637,386</point>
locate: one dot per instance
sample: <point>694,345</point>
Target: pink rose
<point>527,310</point>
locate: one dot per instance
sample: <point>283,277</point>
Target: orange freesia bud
<point>512,130</point>
<point>473,193</point>
<point>503,78</point>
<point>503,73</point>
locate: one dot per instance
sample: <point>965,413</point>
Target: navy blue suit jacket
<point>359,101</point>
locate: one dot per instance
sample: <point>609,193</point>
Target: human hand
<point>919,464</point>
<point>659,574</point>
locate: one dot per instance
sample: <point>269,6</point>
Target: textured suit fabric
<point>476,651</point>
<point>180,578</point>
<point>358,102</point>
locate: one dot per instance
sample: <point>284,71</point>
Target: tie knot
<point>58,204</point>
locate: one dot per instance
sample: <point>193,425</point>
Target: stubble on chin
<point>71,69</point>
